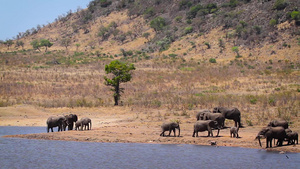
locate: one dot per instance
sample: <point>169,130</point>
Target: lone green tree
<point>236,50</point>
<point>45,43</point>
<point>121,74</point>
<point>36,44</point>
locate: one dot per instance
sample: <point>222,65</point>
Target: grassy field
<point>174,85</point>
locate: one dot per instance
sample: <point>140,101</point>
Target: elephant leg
<point>210,133</point>
<point>280,141</point>
<point>170,132</point>
<point>162,133</point>
<point>174,132</point>
<point>51,129</point>
<point>193,134</point>
<point>219,132</point>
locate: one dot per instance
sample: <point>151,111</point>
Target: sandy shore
<point>125,127</point>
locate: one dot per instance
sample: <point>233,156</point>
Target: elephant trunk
<point>258,137</point>
<point>178,131</point>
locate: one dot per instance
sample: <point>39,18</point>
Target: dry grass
<point>261,85</point>
<point>177,87</point>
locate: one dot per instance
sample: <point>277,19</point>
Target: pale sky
<point>20,15</point>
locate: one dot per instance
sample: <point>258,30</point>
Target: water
<point>25,153</point>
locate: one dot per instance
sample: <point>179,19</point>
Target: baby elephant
<point>170,127</point>
<point>234,131</point>
<point>292,137</point>
<point>86,122</point>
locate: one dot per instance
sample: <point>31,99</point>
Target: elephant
<point>292,137</point>
<point>272,133</point>
<point>56,121</point>
<point>218,117</point>
<point>86,122</point>
<point>170,127</point>
<point>201,113</point>
<point>205,125</point>
<point>230,113</point>
<point>71,119</point>
<point>276,123</point>
<point>234,132</point>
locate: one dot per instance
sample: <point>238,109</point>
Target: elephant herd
<point>207,120</point>
<point>64,121</point>
<point>277,129</point>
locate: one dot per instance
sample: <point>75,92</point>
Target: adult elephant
<point>56,121</point>
<point>205,125</point>
<point>230,113</point>
<point>86,122</point>
<point>200,114</point>
<point>218,117</point>
<point>71,119</point>
<point>271,133</point>
<point>277,123</point>
<point>170,127</point>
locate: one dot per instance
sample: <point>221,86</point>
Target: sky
<point>20,15</point>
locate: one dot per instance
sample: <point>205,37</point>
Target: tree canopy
<point>36,44</point>
<point>121,74</point>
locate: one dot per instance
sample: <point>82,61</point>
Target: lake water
<point>25,153</point>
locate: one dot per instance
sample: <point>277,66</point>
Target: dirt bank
<point>122,126</point>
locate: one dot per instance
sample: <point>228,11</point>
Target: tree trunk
<point>117,94</point>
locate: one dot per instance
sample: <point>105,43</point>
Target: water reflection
<point>24,153</point>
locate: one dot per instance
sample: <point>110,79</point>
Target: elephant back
<point>201,125</point>
<point>50,119</point>
<point>201,113</point>
<point>277,123</point>
<point>170,125</point>
<point>279,132</point>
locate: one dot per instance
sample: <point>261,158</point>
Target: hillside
<point>189,55</point>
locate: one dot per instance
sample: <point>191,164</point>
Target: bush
<point>185,4</point>
<point>280,4</point>
<point>273,22</point>
<point>295,15</point>
<point>207,44</point>
<point>257,29</point>
<point>172,55</point>
<point>253,100</point>
<point>149,12</point>
<point>163,44</point>
<point>193,11</point>
<point>188,30</point>
<point>105,3</point>
<point>178,19</point>
<point>158,23</point>
<point>233,3</point>
<point>212,60</point>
